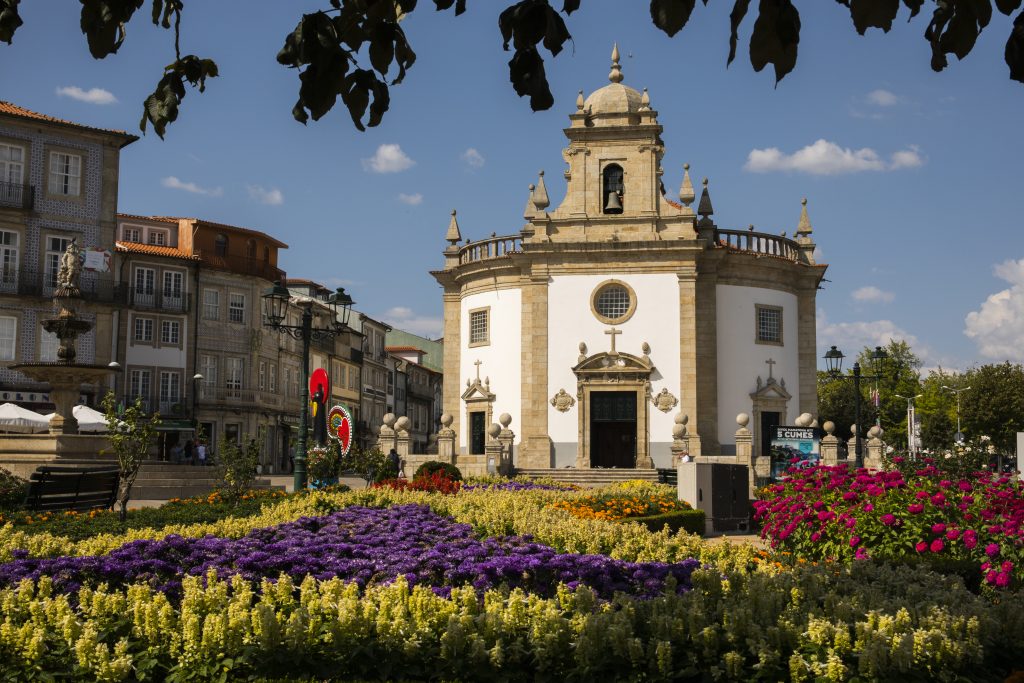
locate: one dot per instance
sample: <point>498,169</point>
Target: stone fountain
<point>64,375</point>
<point>65,378</point>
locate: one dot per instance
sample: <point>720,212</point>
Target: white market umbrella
<point>89,420</point>
<point>14,418</point>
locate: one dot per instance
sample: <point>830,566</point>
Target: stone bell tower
<point>614,176</point>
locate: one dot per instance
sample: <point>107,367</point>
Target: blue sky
<point>910,175</point>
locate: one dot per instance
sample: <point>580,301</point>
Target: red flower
<point>921,546</point>
<point>937,546</point>
<point>854,540</point>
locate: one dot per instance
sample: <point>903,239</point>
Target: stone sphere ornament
<point>742,419</point>
<point>403,423</point>
<point>829,427</point>
<point>389,419</point>
<point>446,420</point>
<point>505,419</point>
<point>494,430</point>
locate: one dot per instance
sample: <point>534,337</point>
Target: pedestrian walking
<point>201,454</point>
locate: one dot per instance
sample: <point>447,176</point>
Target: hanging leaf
<point>775,37</point>
<point>914,6</point>
<point>163,10</point>
<point>1007,7</point>
<point>358,88</point>
<point>873,14</point>
<point>570,6</point>
<point>9,19</point>
<point>1014,53</point>
<point>526,71</point>
<point>739,11</point>
<point>460,5</point>
<point>955,27</point>
<point>103,23</point>
<point>161,107</point>
<point>671,15</point>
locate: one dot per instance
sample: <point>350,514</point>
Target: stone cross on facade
<point>613,333</point>
<point>771,366</point>
<point>478,363</point>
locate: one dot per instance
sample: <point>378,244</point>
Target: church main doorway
<point>613,429</point>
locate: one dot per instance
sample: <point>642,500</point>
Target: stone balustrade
<point>758,243</point>
<point>489,248</point>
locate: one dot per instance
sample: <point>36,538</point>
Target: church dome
<point>614,98</point>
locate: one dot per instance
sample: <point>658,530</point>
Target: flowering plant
<point>972,524</point>
<point>614,506</point>
<point>321,463</point>
<point>438,482</point>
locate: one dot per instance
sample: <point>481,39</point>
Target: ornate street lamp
<point>834,365</point>
<point>276,301</point>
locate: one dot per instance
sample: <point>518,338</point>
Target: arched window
<point>612,189</point>
<point>220,244</point>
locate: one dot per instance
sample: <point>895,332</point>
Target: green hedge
<point>691,521</point>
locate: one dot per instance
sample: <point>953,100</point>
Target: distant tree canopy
<point>991,405</point>
<point>332,48</point>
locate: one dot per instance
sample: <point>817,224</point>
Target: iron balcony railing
<point>17,195</point>
<point>238,396</point>
<point>178,302</point>
<point>24,281</point>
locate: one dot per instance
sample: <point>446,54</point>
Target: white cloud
<point>828,158</point>
<point>906,158</point>
<point>998,326</point>
<point>175,184</point>
<point>91,96</point>
<point>273,196</point>
<point>474,158</point>
<point>414,199</point>
<point>403,318</point>
<point>882,98</point>
<point>388,159</point>
<point>872,293</point>
<point>852,337</point>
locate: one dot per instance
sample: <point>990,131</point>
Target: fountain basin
<point>65,380</point>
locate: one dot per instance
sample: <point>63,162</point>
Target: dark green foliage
<point>691,521</point>
<point>368,463</point>
<point>330,47</point>
<point>236,467</point>
<point>13,490</point>
<point>994,405</point>
<point>431,466</point>
<point>9,20</point>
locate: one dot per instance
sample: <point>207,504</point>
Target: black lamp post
<point>276,300</point>
<point>834,365</point>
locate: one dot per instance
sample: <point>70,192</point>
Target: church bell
<point>613,203</point>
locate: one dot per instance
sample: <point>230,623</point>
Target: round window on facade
<point>613,302</point>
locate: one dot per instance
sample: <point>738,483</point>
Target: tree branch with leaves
<point>348,49</point>
<point>131,433</point>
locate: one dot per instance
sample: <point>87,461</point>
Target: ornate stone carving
<point>70,266</point>
<point>664,400</point>
<point>563,401</point>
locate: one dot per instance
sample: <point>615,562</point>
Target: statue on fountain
<point>70,267</point>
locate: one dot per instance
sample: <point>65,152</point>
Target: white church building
<point>603,323</point>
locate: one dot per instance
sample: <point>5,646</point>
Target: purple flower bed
<point>365,545</point>
<point>520,486</point>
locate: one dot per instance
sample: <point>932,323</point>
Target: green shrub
<point>431,466</point>
<point>236,467</point>
<point>13,490</point>
<point>691,521</point>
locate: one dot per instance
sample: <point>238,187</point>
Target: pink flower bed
<point>837,513</point>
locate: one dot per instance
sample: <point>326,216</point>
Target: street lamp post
<point>834,364</point>
<point>276,300</point>
<point>911,422</point>
<point>959,434</point>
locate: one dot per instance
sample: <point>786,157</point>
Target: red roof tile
<point>201,221</point>
<point>154,250</point>
<point>14,110</point>
<point>394,349</point>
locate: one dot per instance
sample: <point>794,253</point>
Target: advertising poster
<point>793,447</point>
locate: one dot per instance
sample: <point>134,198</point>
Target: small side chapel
<point>602,325</point>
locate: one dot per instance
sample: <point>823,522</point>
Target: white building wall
<point>741,360</point>
<point>501,359</point>
<point>164,356</point>
<point>570,321</point>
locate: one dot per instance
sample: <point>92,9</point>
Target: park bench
<point>72,488</point>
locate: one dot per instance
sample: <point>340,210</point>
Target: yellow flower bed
<point>624,500</point>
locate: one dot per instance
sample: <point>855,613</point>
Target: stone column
<point>851,445</point>
<point>807,344</point>
<point>688,349</point>
<point>505,437</point>
<point>535,451</point>
<point>451,394</point>
<point>680,439</point>
<point>493,450</point>
<point>402,438</point>
<point>706,421</point>
<point>745,450</point>
<point>446,440</point>
<point>386,438</point>
<point>829,446</point>
<point>875,448</point>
